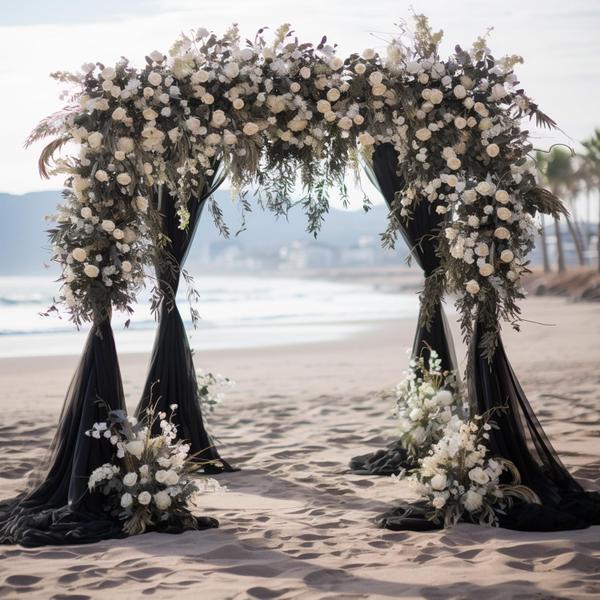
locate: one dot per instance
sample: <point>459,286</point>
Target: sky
<point>559,41</point>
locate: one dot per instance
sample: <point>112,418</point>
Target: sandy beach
<point>294,523</point>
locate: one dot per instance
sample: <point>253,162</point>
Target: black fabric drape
<point>58,509</point>
<point>521,439</point>
<point>171,376</point>
<point>419,233</point>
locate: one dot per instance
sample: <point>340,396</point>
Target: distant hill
<point>24,247</point>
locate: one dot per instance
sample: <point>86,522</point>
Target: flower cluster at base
<point>210,387</point>
<point>424,402</point>
<point>150,486</point>
<point>454,476</point>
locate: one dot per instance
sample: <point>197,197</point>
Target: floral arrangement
<point>150,485</point>
<point>457,478</point>
<point>210,389</point>
<point>277,113</point>
<point>424,402</point>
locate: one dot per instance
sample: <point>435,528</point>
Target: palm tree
<point>591,172</point>
<point>559,175</point>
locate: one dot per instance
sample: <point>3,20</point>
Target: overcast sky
<point>559,41</point>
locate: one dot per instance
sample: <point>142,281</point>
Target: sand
<point>294,523</point>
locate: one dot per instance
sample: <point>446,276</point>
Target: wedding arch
<point>443,139</point>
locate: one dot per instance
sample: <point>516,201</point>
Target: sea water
<point>235,312</point>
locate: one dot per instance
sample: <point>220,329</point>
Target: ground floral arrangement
<point>454,477</point>
<point>275,113</point>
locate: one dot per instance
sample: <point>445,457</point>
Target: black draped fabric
<point>419,234</point>
<point>58,509</point>
<point>521,439</point>
<point>171,377</point>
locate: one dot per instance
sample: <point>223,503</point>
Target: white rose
<point>101,175</point>
<point>358,119</point>
<point>498,91</point>
<point>460,92</point>
<point>144,498</point>
<point>86,212</point>
<point>154,78</point>
<point>162,500</point>
<point>250,128</point>
<point>305,72</point>
<point>486,269</point>
<point>472,287</point>
<point>91,271</point>
<point>141,203</point>
<point>473,221</point>
<point>297,124</point>
<point>438,502</point>
<point>295,87</point>
<point>130,479</point>
<point>368,54</point>
<point>323,106</point>
<point>108,225</point>
<point>493,150</point>
<point>79,254</point>
<point>95,139</point>
<point>125,144</point>
<point>172,478</point>
<point>126,500</point>
<point>333,94</point>
<point>502,233</point>
<point>218,118</point>
<point>503,213</point>
<point>229,138</point>
<point>360,68</point>
<point>482,250</point>
<point>480,109</point>
<point>453,163</point>
<point>418,435</point>
<point>443,397</point>
<point>438,482</point>
<point>345,123</point>
<point>208,98</point>
<point>484,188</point>
<point>157,56</point>
<point>119,114</point>
<point>423,134</point>
<point>502,196</point>
<point>136,448</point>
<point>436,96</point>
<point>124,178</point>
<point>108,73</point>
<point>469,196</point>
<point>375,77</point>
<point>485,124</point>
<point>238,104</point>
<point>232,70</point>
<point>366,139</point>
<point>126,266</point>
<point>336,63</point>
<point>330,116</point>
<point>472,500</point>
<point>378,89</point>
<point>506,256</point>
<point>118,234</point>
<point>460,122</point>
<point>161,476</point>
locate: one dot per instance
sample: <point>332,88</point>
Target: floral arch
<point>442,138</point>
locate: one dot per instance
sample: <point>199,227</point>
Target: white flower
<point>250,129</point>
<point>378,89</point>
<point>438,482</point>
<point>126,266</point>
<point>154,78</point>
<point>95,139</point>
<point>141,203</point>
<point>472,500</point>
<point>472,287</point>
<point>454,163</point>
<point>295,87</point>
<point>423,134</point>
<point>86,212</point>
<point>504,213</point>
<point>418,435</point>
<point>172,478</point>
<point>135,447</point>
<point>126,500</point>
<point>91,271</point>
<point>502,233</point>
<point>144,498</point>
<point>157,56</point>
<point>469,196</point>
<point>193,124</point>
<point>498,91</point>
<point>161,476</point>
<point>502,196</point>
<point>125,144</point>
<point>336,63</point>
<point>232,70</point>
<point>305,72</point>
<point>79,254</point>
<point>484,188</point>
<point>368,54</point>
<point>218,118</point>
<point>486,269</point>
<point>162,500</point>
<point>482,250</point>
<point>460,122</point>
<point>506,256</point>
<point>436,96</point>
<point>323,106</point>
<point>366,139</point>
<point>108,73</point>
<point>478,475</point>
<point>438,502</point>
<point>130,479</point>
<point>360,68</point>
<point>460,92</point>
<point>345,123</point>
<point>493,150</point>
<point>124,178</point>
<point>149,114</point>
<point>119,114</point>
<point>443,397</point>
<point>333,95</point>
